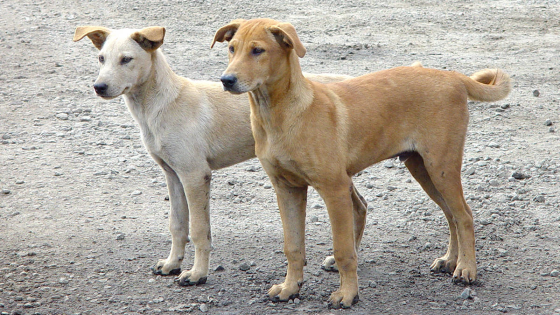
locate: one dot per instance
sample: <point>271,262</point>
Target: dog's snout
<point>228,81</point>
<point>100,88</point>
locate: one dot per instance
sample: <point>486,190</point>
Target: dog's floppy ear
<point>225,33</point>
<point>285,34</point>
<point>149,38</point>
<point>97,34</point>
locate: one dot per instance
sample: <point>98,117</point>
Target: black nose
<point>100,88</point>
<point>228,81</point>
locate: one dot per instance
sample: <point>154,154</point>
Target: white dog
<point>189,128</point>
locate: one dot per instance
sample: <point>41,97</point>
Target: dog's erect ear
<point>286,36</point>
<point>226,32</point>
<point>149,38</point>
<point>97,34</point>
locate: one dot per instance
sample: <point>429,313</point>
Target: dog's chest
<point>278,162</point>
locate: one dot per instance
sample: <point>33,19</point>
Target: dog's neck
<point>160,88</point>
<point>290,92</point>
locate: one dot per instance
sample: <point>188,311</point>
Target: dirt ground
<point>83,214</point>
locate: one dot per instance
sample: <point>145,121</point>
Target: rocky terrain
<point>83,209</point>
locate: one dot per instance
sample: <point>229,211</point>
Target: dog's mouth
<point>106,96</point>
<point>232,89</point>
<point>240,88</point>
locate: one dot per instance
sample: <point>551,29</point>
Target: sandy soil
<point>83,214</point>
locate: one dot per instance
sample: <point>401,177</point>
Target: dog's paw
<point>164,268</point>
<point>444,265</point>
<point>339,300</point>
<point>283,292</point>
<point>465,273</point>
<point>191,277</point>
<point>329,264</point>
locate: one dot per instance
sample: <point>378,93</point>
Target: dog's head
<point>260,52</point>
<point>125,56</point>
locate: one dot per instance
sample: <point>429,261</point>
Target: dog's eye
<point>101,59</point>
<point>125,60</point>
<point>231,49</point>
<point>257,51</point>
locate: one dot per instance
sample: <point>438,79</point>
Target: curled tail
<point>488,85</point>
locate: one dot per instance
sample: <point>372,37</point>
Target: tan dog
<point>308,133</point>
<point>189,128</point>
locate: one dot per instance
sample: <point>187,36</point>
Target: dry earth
<point>83,214</point>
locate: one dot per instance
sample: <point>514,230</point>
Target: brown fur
<point>308,133</point>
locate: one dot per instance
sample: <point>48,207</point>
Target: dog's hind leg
<point>292,202</point>
<point>178,224</point>
<point>360,212</point>
<point>444,169</point>
<point>197,190</point>
<point>447,263</point>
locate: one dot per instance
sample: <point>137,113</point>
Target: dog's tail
<point>488,85</point>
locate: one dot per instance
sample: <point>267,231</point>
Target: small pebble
<point>388,164</point>
<point>372,284</point>
<point>554,273</point>
<point>548,122</point>
<point>85,118</point>
<point>136,193</point>
<point>494,183</point>
<point>6,136</point>
<point>6,191</point>
<point>120,236</point>
<point>62,116</point>
<point>203,308</point>
<point>519,175</point>
<point>219,268</point>
<point>244,267</point>
<point>296,301</point>
<point>252,168</point>
<point>19,182</point>
<point>466,294</point>
<point>314,219</point>
<point>63,280</point>
<point>539,198</point>
<point>536,93</point>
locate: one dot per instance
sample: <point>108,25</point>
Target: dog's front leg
<point>292,202</point>
<point>178,225</point>
<point>360,212</point>
<point>338,199</point>
<point>197,190</point>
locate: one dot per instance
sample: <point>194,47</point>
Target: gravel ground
<point>83,210</point>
